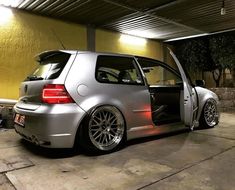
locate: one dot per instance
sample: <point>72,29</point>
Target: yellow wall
<point>107,41</point>
<point>24,35</point>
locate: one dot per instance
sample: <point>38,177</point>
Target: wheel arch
<point>87,116</point>
<point>204,95</point>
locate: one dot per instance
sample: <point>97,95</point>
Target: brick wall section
<point>226,97</point>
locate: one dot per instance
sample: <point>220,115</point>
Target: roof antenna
<point>57,38</point>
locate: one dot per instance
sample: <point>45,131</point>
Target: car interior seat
<point>102,76</point>
<point>124,77</point>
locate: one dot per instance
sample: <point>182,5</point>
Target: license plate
<point>19,119</point>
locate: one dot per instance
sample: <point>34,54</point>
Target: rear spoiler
<point>44,55</point>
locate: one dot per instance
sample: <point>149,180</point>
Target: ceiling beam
<point>74,5</point>
<point>196,36</point>
<point>162,6</point>
<point>150,13</point>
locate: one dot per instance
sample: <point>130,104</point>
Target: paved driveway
<point>200,160</point>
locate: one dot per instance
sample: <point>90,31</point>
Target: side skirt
<point>150,130</point>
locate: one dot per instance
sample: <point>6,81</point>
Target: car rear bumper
<point>52,126</point>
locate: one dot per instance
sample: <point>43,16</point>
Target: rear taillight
<point>55,94</point>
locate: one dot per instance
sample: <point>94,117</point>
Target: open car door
<point>190,106</point>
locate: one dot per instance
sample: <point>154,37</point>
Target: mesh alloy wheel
<point>210,113</point>
<point>106,128</point>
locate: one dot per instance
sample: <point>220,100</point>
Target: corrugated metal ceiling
<point>162,19</point>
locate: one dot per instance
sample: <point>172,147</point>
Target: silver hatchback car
<point>100,100</point>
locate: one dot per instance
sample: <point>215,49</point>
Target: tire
<point>103,131</point>
<point>209,116</point>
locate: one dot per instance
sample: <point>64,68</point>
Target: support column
<point>90,38</point>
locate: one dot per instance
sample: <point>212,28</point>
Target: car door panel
<point>189,96</point>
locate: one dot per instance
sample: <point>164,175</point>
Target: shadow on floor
<point>53,153</point>
<point>66,153</point>
<point>156,137</point>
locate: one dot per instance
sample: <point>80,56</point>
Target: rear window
<point>50,67</point>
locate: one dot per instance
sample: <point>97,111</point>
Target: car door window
<point>158,74</point>
<point>119,70</point>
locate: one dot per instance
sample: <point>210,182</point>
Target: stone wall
<point>226,97</point>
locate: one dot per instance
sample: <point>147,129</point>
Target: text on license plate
<point>19,119</point>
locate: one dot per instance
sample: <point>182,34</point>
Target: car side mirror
<point>200,83</point>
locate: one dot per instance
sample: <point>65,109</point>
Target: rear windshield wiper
<point>34,77</point>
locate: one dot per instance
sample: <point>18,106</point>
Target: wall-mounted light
<point>10,3</point>
<point>223,10</point>
<point>5,14</point>
<point>5,2</point>
<point>142,33</point>
<point>132,40</point>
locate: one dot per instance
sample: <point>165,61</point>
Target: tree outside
<point>214,53</point>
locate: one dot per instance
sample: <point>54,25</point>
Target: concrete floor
<point>200,160</point>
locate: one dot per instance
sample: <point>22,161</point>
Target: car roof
<point>42,54</point>
<point>45,53</point>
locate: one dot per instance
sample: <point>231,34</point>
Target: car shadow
<point>139,141</point>
<point>201,128</point>
<point>55,153</point>
<point>156,137</point>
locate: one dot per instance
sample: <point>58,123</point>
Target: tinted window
<point>50,67</point>
<point>120,70</point>
<point>157,74</point>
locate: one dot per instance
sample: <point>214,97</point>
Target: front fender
<point>204,95</point>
